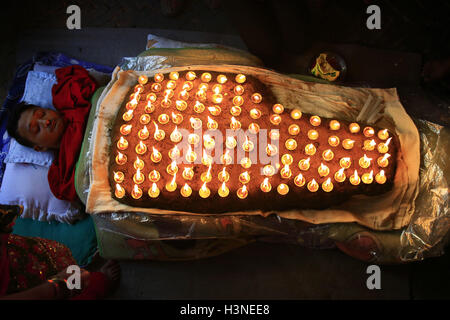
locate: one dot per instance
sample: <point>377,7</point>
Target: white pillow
<point>27,185</point>
<point>38,91</point>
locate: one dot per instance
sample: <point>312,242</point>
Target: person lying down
<point>60,130</point>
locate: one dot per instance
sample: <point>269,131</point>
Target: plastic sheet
<point>425,235</point>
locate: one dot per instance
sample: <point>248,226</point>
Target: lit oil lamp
<point>149,107</point>
<point>136,193</point>
<point>138,89</point>
<point>151,97</point>
<point>176,135</point>
<point>226,158</point>
<point>223,176</point>
<point>215,110</point>
<point>315,121</point>
<point>125,129</point>
<point>355,179</point>
<point>242,192</point>
<point>166,102</point>
<point>256,98</point>
<point>196,123</point>
<point>156,156</point>
<point>180,105</point>
<point>240,78</point>
<point>121,159</point>
<point>144,119</point>
<point>323,170</point>
<point>345,162</point>
<point>278,108</point>
<point>221,79</point>
<point>265,185</point>
<point>156,87</point>
<point>143,133</point>
<point>235,111</point>
<point>183,95</point>
<point>287,159</point>
<point>138,164</point>
<point>335,125</point>
<point>203,86</point>
<point>333,141</point>
<point>138,177</point>
<point>310,149</point>
<point>327,186</point>
<point>201,95</point>
<point>191,156</point>
<point>230,142</point>
<point>223,190</point>
<point>246,162</point>
<point>296,114</point>
<point>268,170</point>
<point>383,134</point>
<point>354,127</point>
<point>154,176</point>
<point>217,98</point>
<point>119,176</point>
<point>364,162</point>
<point>247,146</point>
<point>313,134</point>
<point>177,118</point>
<point>304,164</point>
<point>208,142</point>
<point>253,128</point>
<point>143,79</point>
<point>255,113</point>
<point>199,107</point>
<point>194,139</point>
<point>159,134</point>
<point>122,143</point>
<point>119,192</point>
<point>206,77</point>
<point>244,177</point>
<point>207,160</point>
<point>171,84</point>
<point>186,191</point>
<point>348,144</point>
<point>274,134</point>
<point>275,119</point>
<point>174,153</point>
<point>283,189</point>
<point>294,129</point>
<point>368,132</point>
<point>286,172</point>
<point>127,116</point>
<point>235,124</point>
<point>299,180</point>
<point>172,185</point>
<point>204,191</point>
<point>339,176</point>
<point>159,77</point>
<point>271,150</point>
<point>188,173</point>
<point>367,178</point>
<point>141,148</point>
<point>190,76</point>
<point>206,176</point>
<point>328,155</point>
<point>238,90</point>
<point>217,88</point>
<point>131,105</point>
<point>290,144</point>
<point>163,118</point>
<point>383,147</point>
<point>383,161</point>
<point>174,75</point>
<point>153,192</point>
<point>212,124</point>
<point>313,186</point>
<point>238,101</point>
<point>380,177</point>
<point>369,145</point>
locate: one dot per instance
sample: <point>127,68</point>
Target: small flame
<point>388,141</point>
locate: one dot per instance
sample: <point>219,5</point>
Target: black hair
<point>13,122</point>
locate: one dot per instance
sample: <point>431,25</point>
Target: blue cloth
<point>17,88</point>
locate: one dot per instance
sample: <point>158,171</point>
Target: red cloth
<point>71,96</point>
<point>96,289</point>
<point>4,264</point>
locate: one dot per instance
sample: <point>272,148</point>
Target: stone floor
<point>256,271</point>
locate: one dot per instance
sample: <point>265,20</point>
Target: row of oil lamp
<point>244,178</point>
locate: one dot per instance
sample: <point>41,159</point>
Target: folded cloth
<point>71,96</point>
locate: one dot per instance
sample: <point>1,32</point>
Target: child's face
<point>42,127</point>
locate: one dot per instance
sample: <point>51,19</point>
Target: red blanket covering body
<point>71,96</point>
